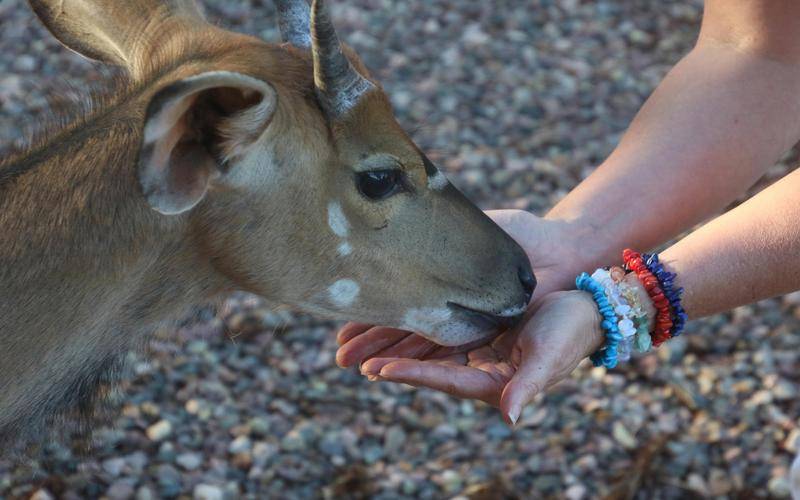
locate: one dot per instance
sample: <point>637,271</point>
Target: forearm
<point>747,254</point>
<point>715,124</point>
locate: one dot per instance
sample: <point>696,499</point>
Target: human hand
<point>561,330</point>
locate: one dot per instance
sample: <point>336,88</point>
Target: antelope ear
<point>192,128</point>
<point>109,30</point>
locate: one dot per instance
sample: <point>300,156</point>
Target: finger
<point>372,367</point>
<point>530,379</point>
<point>367,344</point>
<point>350,330</point>
<point>459,381</point>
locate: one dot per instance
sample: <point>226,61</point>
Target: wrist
<point>587,307</point>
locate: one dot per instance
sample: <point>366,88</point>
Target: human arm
<point>721,117</point>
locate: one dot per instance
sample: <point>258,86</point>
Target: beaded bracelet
<point>667,281</point>
<point>623,310</point>
<point>635,263</point>
<point>642,340</point>
<point>606,355</point>
<point>625,320</point>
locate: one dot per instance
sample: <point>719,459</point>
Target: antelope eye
<point>378,184</point>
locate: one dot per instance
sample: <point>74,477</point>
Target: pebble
<point>114,466</point>
<point>120,490</point>
<point>240,445</point>
<point>779,487</point>
<point>189,461</point>
<point>623,436</point>
<point>207,492</point>
<point>160,430</point>
<point>169,480</point>
<point>42,494</point>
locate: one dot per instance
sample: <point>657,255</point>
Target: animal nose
<point>528,281</point>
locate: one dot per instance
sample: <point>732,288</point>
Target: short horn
<point>294,18</point>
<point>339,86</point>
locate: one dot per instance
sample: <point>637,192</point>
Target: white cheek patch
<point>425,319</point>
<point>438,181</point>
<point>336,220</point>
<point>344,249</point>
<point>344,292</point>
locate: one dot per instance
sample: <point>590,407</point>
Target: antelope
<point>224,162</point>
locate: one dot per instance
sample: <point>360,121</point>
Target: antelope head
<point>293,176</point>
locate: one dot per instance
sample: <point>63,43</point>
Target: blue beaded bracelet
<point>606,355</point>
<point>667,281</point>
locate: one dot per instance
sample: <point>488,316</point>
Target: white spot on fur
<point>345,249</point>
<point>336,220</point>
<point>438,181</point>
<point>344,292</point>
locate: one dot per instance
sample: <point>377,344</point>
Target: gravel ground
<point>518,100</point>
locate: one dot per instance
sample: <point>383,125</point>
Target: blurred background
<point>518,101</point>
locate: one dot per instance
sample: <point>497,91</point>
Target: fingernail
<point>513,415</point>
<point>373,378</point>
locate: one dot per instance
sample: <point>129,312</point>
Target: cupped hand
<point>562,329</point>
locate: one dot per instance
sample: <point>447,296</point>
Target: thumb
<point>530,379</point>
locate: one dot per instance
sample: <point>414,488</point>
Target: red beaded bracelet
<point>634,262</point>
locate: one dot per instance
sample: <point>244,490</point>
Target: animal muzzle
<point>507,318</point>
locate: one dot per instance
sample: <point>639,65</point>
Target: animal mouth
<point>486,320</point>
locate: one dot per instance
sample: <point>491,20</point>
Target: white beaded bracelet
<point>622,309</point>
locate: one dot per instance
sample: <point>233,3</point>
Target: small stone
<point>169,479</point>
<point>189,461</point>
<point>293,441</point>
<point>258,426</point>
<point>207,492</point>
<point>784,390</point>
<point>145,493</point>
<point>640,37</point>
<point>474,35</point>
<point>114,466</point>
<point>394,440</point>
<point>372,454</point>
<point>120,490</point>
<point>575,492</point>
<point>160,430</point>
<point>136,461</point>
<point>779,487</point>
<point>451,481</point>
<point>240,445</point>
<point>623,436</point>
<point>719,483</point>
<point>42,494</point>
<point>697,483</point>
<point>25,63</point>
